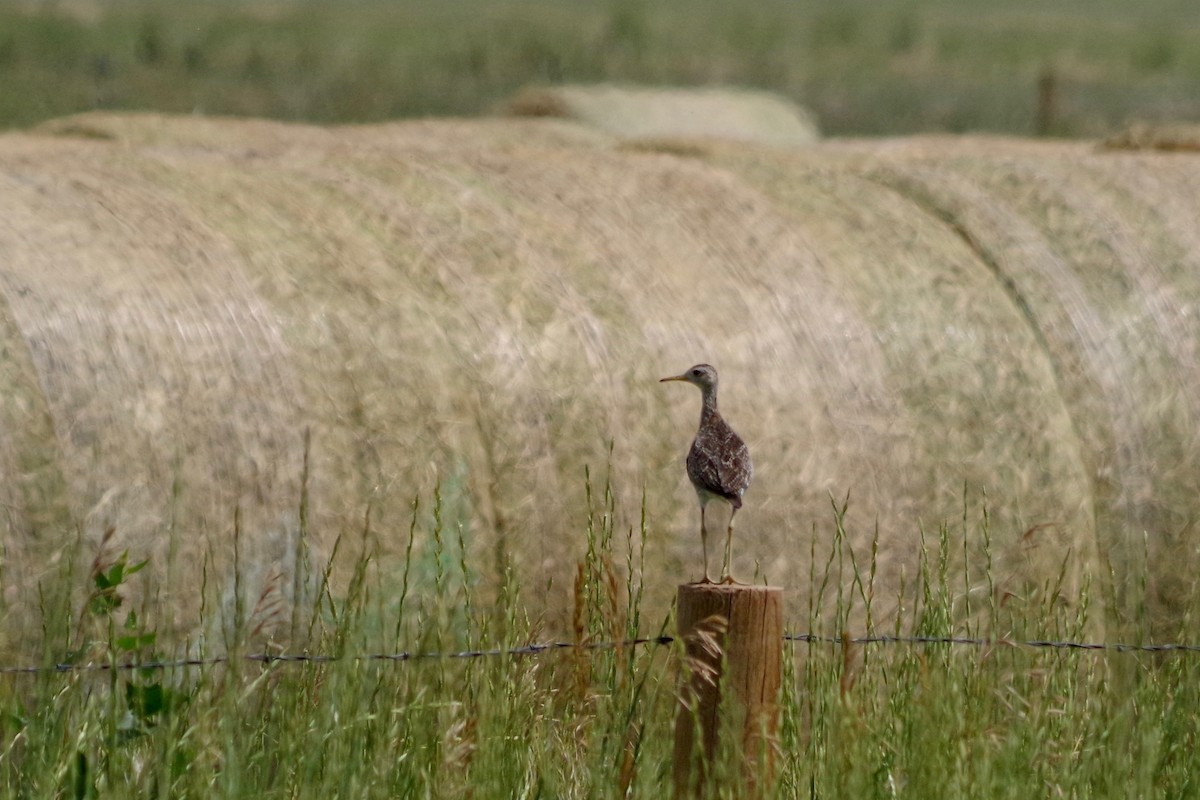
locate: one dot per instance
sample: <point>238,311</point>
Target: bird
<point>718,463</point>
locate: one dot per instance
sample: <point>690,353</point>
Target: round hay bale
<point>1100,254</point>
<point>658,112</point>
<point>487,309</point>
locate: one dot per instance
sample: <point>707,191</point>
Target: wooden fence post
<point>734,641</point>
<point>1046,121</point>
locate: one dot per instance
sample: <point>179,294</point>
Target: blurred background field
<point>874,68</point>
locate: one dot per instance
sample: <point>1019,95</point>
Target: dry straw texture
<point>488,305</point>
<point>636,112</point>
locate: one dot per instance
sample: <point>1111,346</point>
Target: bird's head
<point>701,375</point>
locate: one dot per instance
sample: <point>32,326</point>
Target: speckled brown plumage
<point>719,463</point>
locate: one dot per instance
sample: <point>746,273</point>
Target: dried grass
<point>488,305</point>
<point>636,112</point>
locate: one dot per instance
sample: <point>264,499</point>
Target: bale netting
<point>660,112</point>
<point>237,338</point>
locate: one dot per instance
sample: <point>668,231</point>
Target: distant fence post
<point>734,641</point>
<point>1046,121</point>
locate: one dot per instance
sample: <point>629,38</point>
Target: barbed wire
<point>538,648</point>
<point>535,648</point>
<point>985,642</point>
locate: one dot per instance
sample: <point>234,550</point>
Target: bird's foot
<point>729,580</point>
<point>705,581</point>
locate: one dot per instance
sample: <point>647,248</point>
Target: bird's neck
<point>708,405</point>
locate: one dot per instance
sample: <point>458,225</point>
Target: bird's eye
<point>696,373</point>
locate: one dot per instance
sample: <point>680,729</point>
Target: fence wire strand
<point>538,648</point>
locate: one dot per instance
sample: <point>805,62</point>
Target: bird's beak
<point>674,378</point>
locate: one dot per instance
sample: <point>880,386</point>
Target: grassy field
<point>895,720</point>
<point>864,67</point>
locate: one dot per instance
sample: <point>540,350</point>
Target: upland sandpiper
<point>718,463</point>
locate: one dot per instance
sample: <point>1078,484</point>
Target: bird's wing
<point>719,463</point>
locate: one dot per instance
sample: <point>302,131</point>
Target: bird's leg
<point>727,569</point>
<point>704,544</point>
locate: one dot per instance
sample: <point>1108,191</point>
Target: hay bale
<point>635,112</point>
<point>891,319</point>
<point>1099,254</point>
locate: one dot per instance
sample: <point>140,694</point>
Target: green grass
<point>864,67</point>
<point>857,721</point>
